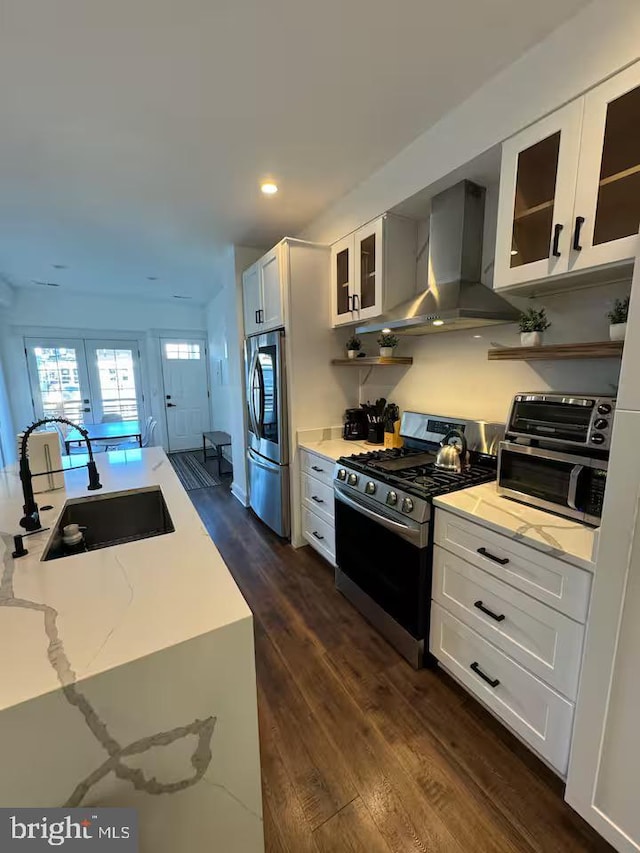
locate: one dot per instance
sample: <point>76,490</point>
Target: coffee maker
<point>355,426</point>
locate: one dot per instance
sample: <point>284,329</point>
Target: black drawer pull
<point>576,234</point>
<point>317,499</point>
<point>486,610</point>
<point>557,231</point>
<point>502,561</point>
<point>315,468</point>
<point>492,682</point>
<point>317,535</point>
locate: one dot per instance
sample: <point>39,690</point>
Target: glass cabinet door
<point>368,270</point>
<point>342,281</point>
<point>608,190</point>
<point>537,191</point>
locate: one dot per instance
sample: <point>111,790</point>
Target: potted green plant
<point>533,324</point>
<point>353,346</point>
<point>387,343</point>
<point>618,319</point>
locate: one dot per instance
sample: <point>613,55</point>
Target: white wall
<point>451,373</point>
<point>51,312</point>
<point>225,332</point>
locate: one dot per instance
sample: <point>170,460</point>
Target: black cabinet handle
<point>350,303</point>
<point>317,535</point>
<point>576,234</point>
<point>356,296</point>
<point>486,610</point>
<point>261,312</point>
<point>492,682</point>
<point>315,468</point>
<point>317,499</point>
<point>556,240</point>
<point>171,405</point>
<point>501,561</point>
<point>256,318</point>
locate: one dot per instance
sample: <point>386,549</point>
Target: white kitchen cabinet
<point>373,269</point>
<point>602,784</point>
<point>570,188</point>
<point>251,299</point>
<point>263,296</point>
<point>317,510</point>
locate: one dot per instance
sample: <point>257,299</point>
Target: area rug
<point>191,472</point>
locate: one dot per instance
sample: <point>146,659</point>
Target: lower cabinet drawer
<point>316,466</point>
<point>546,642</point>
<point>318,497</point>
<point>541,717</point>
<point>320,534</point>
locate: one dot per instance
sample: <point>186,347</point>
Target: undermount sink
<point>113,519</point>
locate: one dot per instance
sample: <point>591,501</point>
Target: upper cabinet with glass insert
<point>373,269</point>
<point>570,187</point>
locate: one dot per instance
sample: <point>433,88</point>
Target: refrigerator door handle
<point>252,413</point>
<point>260,419</point>
<point>263,463</point>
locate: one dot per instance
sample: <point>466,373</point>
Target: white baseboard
<point>239,494</point>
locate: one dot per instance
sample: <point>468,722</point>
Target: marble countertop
<point>569,540</point>
<point>69,619</point>
<point>334,448</point>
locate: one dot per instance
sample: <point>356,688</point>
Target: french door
<point>84,380</point>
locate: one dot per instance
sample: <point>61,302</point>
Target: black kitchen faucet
<point>31,517</point>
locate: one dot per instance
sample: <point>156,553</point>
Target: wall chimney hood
<point>455,297</point>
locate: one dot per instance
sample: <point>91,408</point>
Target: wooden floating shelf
<point>370,362</point>
<point>600,349</point>
<point>530,211</point>
<point>620,176</point>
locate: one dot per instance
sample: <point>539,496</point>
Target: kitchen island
<point>128,674</point>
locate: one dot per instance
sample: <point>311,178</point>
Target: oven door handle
<point>409,533</point>
<point>573,485</point>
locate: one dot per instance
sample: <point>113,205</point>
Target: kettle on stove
<point>453,457</point>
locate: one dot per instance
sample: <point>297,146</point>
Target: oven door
<point>563,483</point>
<point>385,558</point>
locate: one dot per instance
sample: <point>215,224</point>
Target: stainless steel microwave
<point>569,485</point>
<point>570,420</point>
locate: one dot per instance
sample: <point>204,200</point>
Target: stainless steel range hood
<point>455,297</point>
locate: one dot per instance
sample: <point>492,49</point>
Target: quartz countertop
<point>334,448</point>
<point>568,540</point>
<point>111,606</point>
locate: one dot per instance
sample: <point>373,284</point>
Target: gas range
<point>384,539</point>
<point>406,480</point>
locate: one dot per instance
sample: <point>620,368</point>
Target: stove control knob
<point>597,438</point>
<point>342,474</point>
<point>407,505</point>
<point>353,480</point>
<point>392,498</point>
<point>604,409</point>
<point>601,423</point>
<point>370,488</point>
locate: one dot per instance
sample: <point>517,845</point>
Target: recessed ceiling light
<point>386,331</point>
<point>152,278</point>
<point>477,336</point>
<point>60,266</point>
<point>46,283</point>
<point>176,296</point>
<point>269,188</point>
<point>514,252</point>
<point>438,322</point>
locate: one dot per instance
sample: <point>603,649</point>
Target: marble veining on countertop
<point>107,607</point>
<point>569,540</point>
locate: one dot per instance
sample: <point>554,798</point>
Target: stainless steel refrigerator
<point>267,431</point>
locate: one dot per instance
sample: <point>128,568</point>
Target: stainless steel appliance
<point>556,453</point>
<point>383,511</point>
<point>455,297</point>
<point>566,420</point>
<point>267,431</point>
<point>564,483</point>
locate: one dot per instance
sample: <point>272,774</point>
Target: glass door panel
<point>618,204</point>
<point>113,372</point>
<point>59,379</point>
<point>533,211</point>
<point>342,281</point>
<point>367,249</point>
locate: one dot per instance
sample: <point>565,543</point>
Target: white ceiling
<point>135,132</point>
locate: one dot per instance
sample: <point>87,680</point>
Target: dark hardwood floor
<point>360,752</point>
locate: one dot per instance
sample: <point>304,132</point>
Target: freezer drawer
<point>269,495</point>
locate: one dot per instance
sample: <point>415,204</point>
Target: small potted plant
<point>533,324</point>
<point>387,343</point>
<point>353,346</point>
<point>618,319</point>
